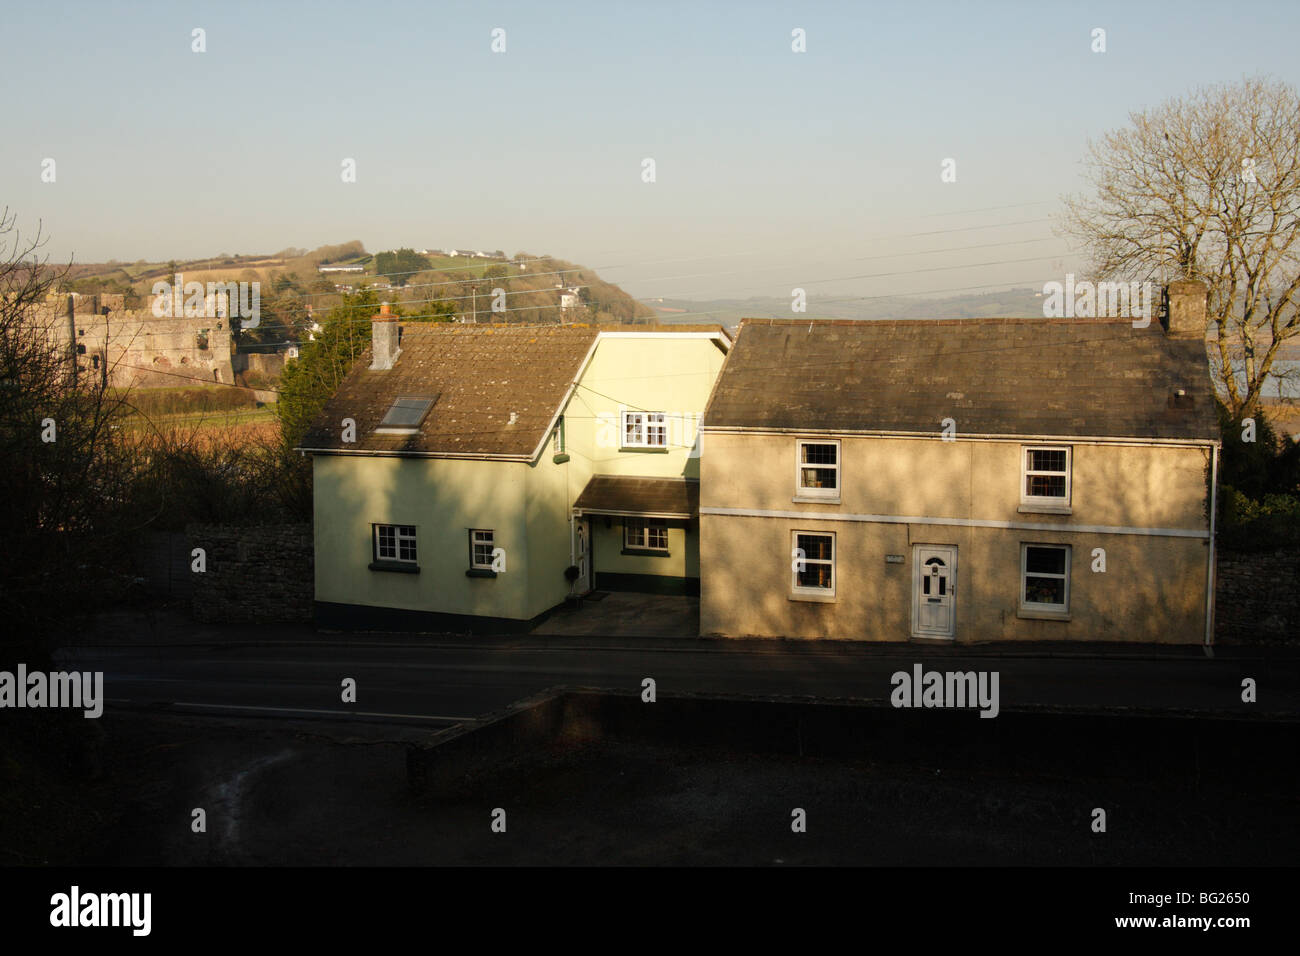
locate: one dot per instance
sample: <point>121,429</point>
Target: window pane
<point>1045,560</point>
<point>815,546</point>
<point>406,412</point>
<point>818,477</point>
<point>657,535</point>
<point>818,454</point>
<point>387,541</point>
<point>632,430</point>
<point>815,576</point>
<point>1045,486</point>
<point>1047,459</point>
<point>1045,590</point>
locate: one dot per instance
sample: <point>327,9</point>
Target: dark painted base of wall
<point>646,583</point>
<point>360,617</point>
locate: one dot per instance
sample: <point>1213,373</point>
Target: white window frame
<point>644,422</point>
<point>1038,606</point>
<point>642,527</point>
<point>475,543</point>
<point>827,494</point>
<point>401,533</point>
<point>802,591</point>
<point>1026,473</point>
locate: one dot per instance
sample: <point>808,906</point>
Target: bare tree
<point>1207,187</point>
<point>66,469</point>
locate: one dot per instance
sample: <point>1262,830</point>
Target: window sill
<point>646,552</point>
<point>1035,509</point>
<point>812,598</point>
<point>401,567</point>
<point>1031,615</point>
<point>480,573</point>
<point>560,459</point>
<point>814,500</point>
<point>638,448</point>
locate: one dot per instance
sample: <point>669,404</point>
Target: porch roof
<point>640,497</point>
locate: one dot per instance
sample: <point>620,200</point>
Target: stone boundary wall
<point>1257,596</point>
<point>255,575</point>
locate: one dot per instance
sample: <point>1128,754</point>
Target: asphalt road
<point>425,681</point>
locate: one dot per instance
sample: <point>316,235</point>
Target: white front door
<point>581,558</point>
<point>934,590</point>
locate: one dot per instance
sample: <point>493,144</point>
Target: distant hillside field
<point>537,289</point>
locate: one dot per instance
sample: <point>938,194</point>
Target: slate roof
<point>622,495</point>
<point>480,373</point>
<point>1050,377</point>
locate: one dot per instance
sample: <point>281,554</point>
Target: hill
<point>533,289</point>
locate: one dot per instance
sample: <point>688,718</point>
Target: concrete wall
<point>1153,588</point>
<point>255,575</point>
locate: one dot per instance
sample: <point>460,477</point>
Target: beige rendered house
<point>474,476</point>
<point>962,480</point>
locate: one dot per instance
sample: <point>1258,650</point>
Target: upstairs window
<point>1045,476</point>
<point>819,469</point>
<point>645,430</point>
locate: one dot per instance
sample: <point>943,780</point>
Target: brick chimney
<point>384,338</point>
<point>1187,305</point>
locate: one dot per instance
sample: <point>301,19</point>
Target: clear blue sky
<point>774,169</point>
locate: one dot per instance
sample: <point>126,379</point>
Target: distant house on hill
<point>476,475</point>
<point>962,480</point>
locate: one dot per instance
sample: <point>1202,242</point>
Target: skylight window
<point>406,414</point>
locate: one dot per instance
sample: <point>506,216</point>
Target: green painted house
<point>475,476</point>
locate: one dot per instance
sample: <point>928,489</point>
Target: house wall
<point>628,571</point>
<point>1153,588</point>
<point>652,372</point>
<point>549,501</point>
<point>443,498</point>
<point>655,372</point>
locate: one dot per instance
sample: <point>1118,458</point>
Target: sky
<point>773,169</point>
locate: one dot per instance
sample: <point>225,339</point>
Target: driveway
<point>627,615</point>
